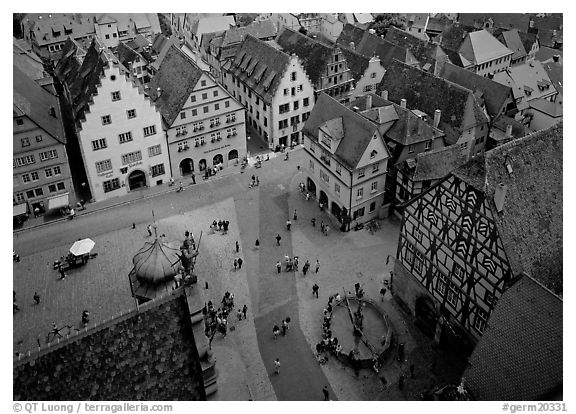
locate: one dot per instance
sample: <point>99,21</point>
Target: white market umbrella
<point>82,247</point>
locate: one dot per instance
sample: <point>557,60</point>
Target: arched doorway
<point>323,199</point>
<point>202,164</point>
<point>232,155</point>
<point>311,187</point>
<point>426,316</point>
<point>336,211</point>
<point>136,179</point>
<point>186,166</point>
<point>217,160</point>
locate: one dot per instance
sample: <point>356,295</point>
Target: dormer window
<point>373,154</point>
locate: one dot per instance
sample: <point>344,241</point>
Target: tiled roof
<point>504,20</point>
<point>126,54</point>
<point>271,64</point>
<point>350,33</point>
<point>358,131</point>
<point>520,355</point>
<point>511,39</point>
<point>46,25</point>
<point>260,29</point>
<point>357,63</point>
<point>528,39</point>
<point>481,46</point>
<point>313,55</point>
<point>26,60</point>
<point>453,36</point>
<point>34,101</point>
<point>425,52</point>
<point>146,354</point>
<point>495,94</point>
<point>502,122</point>
<point>436,164</point>
<point>545,53</point>
<point>69,65</point>
<point>526,75</point>
<point>555,73</point>
<point>163,48</point>
<point>212,24</point>
<point>438,24</point>
<point>553,109</point>
<point>177,78</point>
<point>427,93</point>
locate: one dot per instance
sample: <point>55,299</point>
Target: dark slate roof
<point>126,54</point>
<point>357,63</point>
<point>520,355</point>
<point>511,39</point>
<point>350,33</point>
<point>544,53</point>
<point>68,66</point>
<point>504,20</point>
<point>425,52</point>
<point>528,39</point>
<point>494,93</point>
<point>358,131</point>
<point>436,164</point>
<point>177,78</point>
<point>314,55</point>
<point>35,102</point>
<point>262,30</point>
<point>271,64</point>
<point>438,24</point>
<point>502,122</point>
<point>555,72</point>
<point>146,354</point>
<point>427,93</point>
<point>530,224</point>
<point>453,36</point>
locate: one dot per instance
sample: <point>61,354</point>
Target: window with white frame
<point>325,177</point>
<point>337,188</point>
<point>25,178</point>
<point>48,155</point>
<point>116,96</point>
<point>131,113</point>
<point>361,172</point>
<point>428,145</point>
<point>125,137</point>
<point>417,234</point>
<point>154,150</point>
<point>181,130</point>
<point>311,165</point>
<point>131,157</point>
<point>99,144</point>
<point>182,145</point>
<point>102,166</point>
<point>230,118</point>
<point>48,172</point>
<point>57,170</point>
<point>441,284</point>
<point>411,148</point>
<point>111,185</point>
<point>25,160</point>
<point>34,176</point>
<point>458,272</point>
<point>374,187</point>
<point>38,138</point>
<point>157,170</point>
<point>106,120</point>
<point>149,130</point>
<point>452,295</point>
<point>20,197</point>
<point>480,320</point>
<point>338,169</point>
<point>231,132</point>
<point>25,142</point>
<point>359,193</point>
<point>183,115</point>
<point>375,167</point>
<point>214,122</point>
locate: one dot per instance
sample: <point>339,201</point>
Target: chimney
<point>402,103</point>
<point>352,46</point>
<point>159,91</point>
<point>368,101</point>
<point>53,111</point>
<point>437,114</point>
<point>500,196</point>
<point>384,94</point>
<point>509,130</point>
<point>556,58</point>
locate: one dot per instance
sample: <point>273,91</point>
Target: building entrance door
<point>136,179</point>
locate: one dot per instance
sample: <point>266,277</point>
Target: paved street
<point>245,356</point>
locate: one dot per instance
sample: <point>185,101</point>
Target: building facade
<point>205,126</point>
<point>41,170</point>
<point>346,162</point>
<point>275,90</point>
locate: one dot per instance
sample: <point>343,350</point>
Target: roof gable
<point>177,77</point>
<point>313,55</point>
<point>481,46</point>
<point>436,164</point>
<point>425,52</point>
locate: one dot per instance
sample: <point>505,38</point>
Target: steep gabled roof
<point>177,77</point>
<point>357,63</point>
<point>520,355</point>
<point>495,94</point>
<point>453,36</point>
<point>504,20</point>
<point>35,102</point>
<point>427,93</point>
<point>358,131</point>
<point>271,64</point>
<point>436,164</point>
<point>527,76</point>
<point>126,54</point>
<point>313,55</point>
<point>350,34</point>
<point>425,52</point>
<point>260,29</point>
<point>511,39</point>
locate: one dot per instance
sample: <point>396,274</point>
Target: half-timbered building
<point>469,237</point>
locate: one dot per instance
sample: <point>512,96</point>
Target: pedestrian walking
<point>317,265</point>
<point>193,178</point>
<point>277,366</point>
<point>240,261</point>
<point>326,393</point>
<point>36,298</point>
<point>278,266</point>
<point>383,293</point>
<point>313,221</point>
<point>288,224</point>
<point>220,224</point>
<point>296,261</point>
<point>62,273</point>
<point>276,331</point>
<point>239,314</point>
<point>278,238</point>
<point>284,327</point>
<point>257,244</point>
<point>257,180</point>
<point>149,228</point>
<point>235,263</point>
<point>315,289</point>
<point>253,178</point>
<point>237,246</point>
<point>244,310</point>
<point>326,230</point>
<point>295,215</point>
<point>305,268</point>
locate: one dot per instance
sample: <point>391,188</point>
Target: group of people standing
<point>220,225</point>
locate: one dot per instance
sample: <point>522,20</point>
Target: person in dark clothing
<point>240,261</point>
<point>244,310</point>
<point>326,393</point>
<point>62,273</point>
<point>36,298</point>
<point>257,244</point>
<point>315,290</point>
<point>278,238</point>
<point>237,246</point>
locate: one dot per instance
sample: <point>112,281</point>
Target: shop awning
<point>20,209</point>
<point>58,202</point>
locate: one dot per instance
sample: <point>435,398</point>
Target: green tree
<point>385,20</point>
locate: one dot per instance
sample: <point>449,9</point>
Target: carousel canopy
<point>157,262</point>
